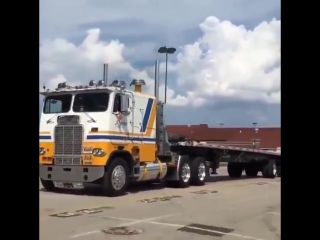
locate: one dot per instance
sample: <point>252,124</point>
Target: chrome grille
<point>67,160</point>
<point>68,144</point>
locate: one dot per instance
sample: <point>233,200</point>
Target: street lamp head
<point>171,50</point>
<point>162,49</point>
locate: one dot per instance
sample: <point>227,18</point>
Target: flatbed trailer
<point>250,160</point>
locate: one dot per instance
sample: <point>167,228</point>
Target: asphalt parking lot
<point>222,209</point>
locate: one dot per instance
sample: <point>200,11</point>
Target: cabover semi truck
<point>109,135</point>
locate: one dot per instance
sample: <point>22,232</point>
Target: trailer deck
<point>179,147</point>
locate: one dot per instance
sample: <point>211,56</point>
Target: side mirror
<point>124,103</point>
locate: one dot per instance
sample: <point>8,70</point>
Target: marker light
<point>100,83</point>
<point>92,83</point>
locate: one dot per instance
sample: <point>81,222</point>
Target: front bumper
<point>71,173</point>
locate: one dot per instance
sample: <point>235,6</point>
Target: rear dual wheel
<point>235,169</point>
<point>251,169</point>
<point>192,172</point>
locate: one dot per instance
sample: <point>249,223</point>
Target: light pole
<point>221,125</point>
<point>254,139</point>
<point>166,50</point>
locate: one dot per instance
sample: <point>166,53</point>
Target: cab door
<point>122,116</point>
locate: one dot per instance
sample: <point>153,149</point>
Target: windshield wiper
<point>91,118</point>
<point>50,119</point>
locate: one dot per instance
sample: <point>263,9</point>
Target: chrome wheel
<point>201,171</point>
<point>185,172</point>
<point>118,178</point>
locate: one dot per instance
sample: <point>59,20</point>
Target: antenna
<point>105,73</point>
<point>156,80</point>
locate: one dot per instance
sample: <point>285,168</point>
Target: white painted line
<point>146,220</point>
<point>151,221</point>
<point>121,219</point>
<point>132,222</point>
<point>203,229</point>
<point>84,234</point>
<point>274,213</point>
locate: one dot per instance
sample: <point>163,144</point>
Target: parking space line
<point>207,230</point>
<point>84,234</point>
<point>132,200</point>
<point>274,213</point>
<point>136,221</point>
<point>131,222</point>
<point>152,221</point>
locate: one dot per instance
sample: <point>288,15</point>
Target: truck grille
<point>67,160</point>
<point>68,144</point>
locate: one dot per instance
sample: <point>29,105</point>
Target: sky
<point>226,68</point>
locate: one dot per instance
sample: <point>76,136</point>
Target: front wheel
<point>199,171</point>
<point>116,178</point>
<point>47,185</point>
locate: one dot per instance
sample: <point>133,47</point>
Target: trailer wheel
<point>47,185</point>
<point>269,169</point>
<point>184,172</point>
<point>199,171</point>
<point>235,169</point>
<point>251,170</point>
<point>116,178</point>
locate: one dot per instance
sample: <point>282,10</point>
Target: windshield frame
<point>48,97</point>
<point>75,99</point>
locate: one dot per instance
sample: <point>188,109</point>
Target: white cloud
<point>78,64</point>
<point>62,61</point>
<point>231,61</point>
<point>228,61</point>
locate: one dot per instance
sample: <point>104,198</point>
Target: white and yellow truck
<point>108,135</point>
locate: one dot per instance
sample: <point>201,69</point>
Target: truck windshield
<point>91,102</point>
<point>57,104</point>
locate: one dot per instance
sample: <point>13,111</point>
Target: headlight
<point>42,151</point>
<point>98,152</point>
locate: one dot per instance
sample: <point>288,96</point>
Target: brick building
<point>264,138</point>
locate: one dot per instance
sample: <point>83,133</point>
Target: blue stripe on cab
<point>146,115</point>
<point>125,138</point>
<point>44,137</point>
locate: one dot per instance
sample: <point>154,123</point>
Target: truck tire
<point>184,172</point>
<point>278,171</point>
<point>47,185</point>
<point>251,170</point>
<point>269,169</point>
<point>199,171</point>
<point>235,169</point>
<point>115,180</point>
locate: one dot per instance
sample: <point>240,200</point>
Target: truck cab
<point>83,128</point>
